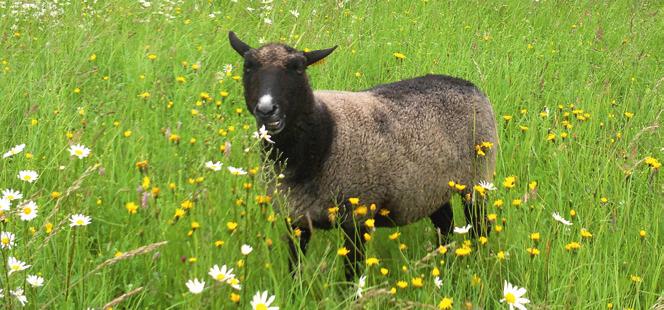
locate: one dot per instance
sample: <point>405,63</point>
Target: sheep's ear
<point>317,55</point>
<point>237,44</point>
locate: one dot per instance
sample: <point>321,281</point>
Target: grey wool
<point>395,146</point>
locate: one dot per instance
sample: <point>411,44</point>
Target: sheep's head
<point>275,80</point>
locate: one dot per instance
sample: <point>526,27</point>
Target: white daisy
<point>28,210</point>
<point>28,175</point>
<point>561,219</point>
<point>228,68</point>
<point>18,293</point>
<point>234,283</point>
<point>11,194</point>
<point>246,249</point>
<point>295,13</point>
<point>15,265</point>
<point>214,166</point>
<point>79,151</point>
<point>13,151</point>
<point>438,282</point>
<point>236,171</point>
<point>195,286</point>
<point>5,204</point>
<point>360,285</point>
<point>35,280</point>
<point>262,134</point>
<point>262,302</point>
<point>462,230</point>
<point>512,296</point>
<point>79,220</point>
<point>7,240</point>
<point>221,274</point>
<point>488,186</point>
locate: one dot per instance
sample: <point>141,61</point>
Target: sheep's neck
<point>304,145</point>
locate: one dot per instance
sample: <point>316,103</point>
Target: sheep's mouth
<point>274,126</point>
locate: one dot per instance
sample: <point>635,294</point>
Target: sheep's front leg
<point>443,220</point>
<point>298,247</point>
<point>354,242</point>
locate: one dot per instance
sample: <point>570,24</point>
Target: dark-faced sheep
<point>396,145</point>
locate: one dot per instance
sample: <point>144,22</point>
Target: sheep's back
<point>398,145</point>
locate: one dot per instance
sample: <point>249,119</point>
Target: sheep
<point>396,146</point>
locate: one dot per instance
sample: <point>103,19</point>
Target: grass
<point>78,77</point>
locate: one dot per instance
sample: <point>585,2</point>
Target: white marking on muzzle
<point>265,99</point>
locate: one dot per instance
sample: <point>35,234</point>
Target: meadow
<point>153,90</point>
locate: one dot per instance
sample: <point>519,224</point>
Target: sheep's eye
<point>295,66</point>
<point>249,65</point>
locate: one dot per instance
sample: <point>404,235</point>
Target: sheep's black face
<point>274,79</point>
<point>275,82</point>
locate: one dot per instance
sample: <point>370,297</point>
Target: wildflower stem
<point>4,258</point>
<point>70,261</point>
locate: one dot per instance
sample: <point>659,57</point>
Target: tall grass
<point>581,85</point>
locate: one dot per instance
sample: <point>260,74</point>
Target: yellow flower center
<point>510,298</point>
<point>27,177</point>
<point>5,240</point>
<point>79,222</point>
<point>10,197</point>
<point>220,277</point>
<point>261,307</point>
<point>16,267</point>
<point>78,152</point>
<point>27,210</point>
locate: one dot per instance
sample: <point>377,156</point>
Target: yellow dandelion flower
<point>343,251</point>
<point>399,56</point>
<point>445,304</point>
<point>533,251</point>
<point>417,282</point>
<point>131,207</point>
<point>372,261</point>
<point>509,182</point>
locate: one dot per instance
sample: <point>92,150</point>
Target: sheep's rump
<point>398,145</point>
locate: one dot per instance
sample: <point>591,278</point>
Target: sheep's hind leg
<point>354,242</point>
<point>443,220</point>
<point>475,216</point>
<point>297,245</point>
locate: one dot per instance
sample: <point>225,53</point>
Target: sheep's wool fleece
<point>398,145</point>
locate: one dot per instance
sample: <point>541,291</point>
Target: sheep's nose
<point>266,109</point>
